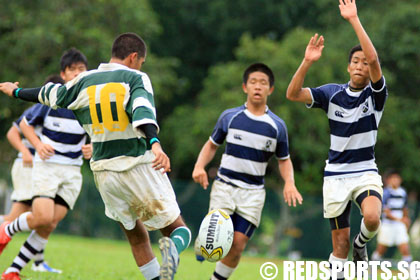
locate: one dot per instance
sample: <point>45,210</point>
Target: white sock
<point>151,269</point>
<point>39,258</point>
<point>32,245</point>
<point>364,235</point>
<point>333,259</point>
<point>223,270</point>
<point>18,225</point>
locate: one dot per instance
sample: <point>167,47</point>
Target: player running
<point>56,176</point>
<point>253,134</point>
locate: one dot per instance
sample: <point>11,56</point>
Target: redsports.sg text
<point>311,270</point>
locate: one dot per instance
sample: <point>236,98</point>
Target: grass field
<point>100,259</point>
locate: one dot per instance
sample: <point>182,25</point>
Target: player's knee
<point>44,220</point>
<point>372,220</point>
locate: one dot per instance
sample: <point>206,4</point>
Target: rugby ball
<point>215,237</point>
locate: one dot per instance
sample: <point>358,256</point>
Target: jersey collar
<point>246,106</point>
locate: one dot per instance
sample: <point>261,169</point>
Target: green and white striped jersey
<point>110,103</point>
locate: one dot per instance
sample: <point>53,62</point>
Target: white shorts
<point>52,179</point>
<point>392,234</point>
<point>245,202</point>
<point>337,192</point>
<point>22,181</point>
<point>138,193</point>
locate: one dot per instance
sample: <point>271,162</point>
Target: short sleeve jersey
<point>37,129</point>
<point>353,120</point>
<point>110,102</point>
<point>250,142</point>
<point>394,200</point>
<point>62,131</point>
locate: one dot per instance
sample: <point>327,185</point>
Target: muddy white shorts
<point>138,193</point>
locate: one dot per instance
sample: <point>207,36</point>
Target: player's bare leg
<point>37,241</point>
<point>17,209</point>
<point>371,211</point>
<point>405,252</point>
<point>341,242</point>
<point>227,265</point>
<point>39,263</point>
<point>139,240</point>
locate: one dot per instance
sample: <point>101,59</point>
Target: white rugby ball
<point>215,237</point>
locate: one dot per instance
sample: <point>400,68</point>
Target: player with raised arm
<point>56,176</point>
<point>395,219</point>
<point>354,111</point>
<point>115,105</point>
<point>253,134</point>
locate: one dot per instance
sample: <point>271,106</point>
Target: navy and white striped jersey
<point>353,120</point>
<point>37,129</point>
<point>62,131</point>
<point>250,142</point>
<point>395,200</point>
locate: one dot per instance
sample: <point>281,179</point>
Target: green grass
<point>100,259</point>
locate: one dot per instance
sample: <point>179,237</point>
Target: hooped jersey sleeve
<point>141,105</point>
<point>380,94</point>
<point>321,96</point>
<point>282,147</point>
<point>221,128</point>
<point>36,114</point>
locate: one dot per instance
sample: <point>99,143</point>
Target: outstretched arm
<point>313,52</point>
<point>348,11</point>
<point>290,192</point>
<point>27,94</point>
<point>206,155</point>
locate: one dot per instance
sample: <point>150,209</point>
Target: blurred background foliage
<point>197,52</point>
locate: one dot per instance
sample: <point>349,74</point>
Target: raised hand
<point>314,49</point>
<point>348,9</point>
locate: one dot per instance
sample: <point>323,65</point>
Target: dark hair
<point>72,56</point>
<point>128,43</point>
<point>54,78</point>
<point>391,171</point>
<point>259,67</point>
<point>353,50</point>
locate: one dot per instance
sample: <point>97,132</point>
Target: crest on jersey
<point>365,107</point>
<point>268,145</point>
